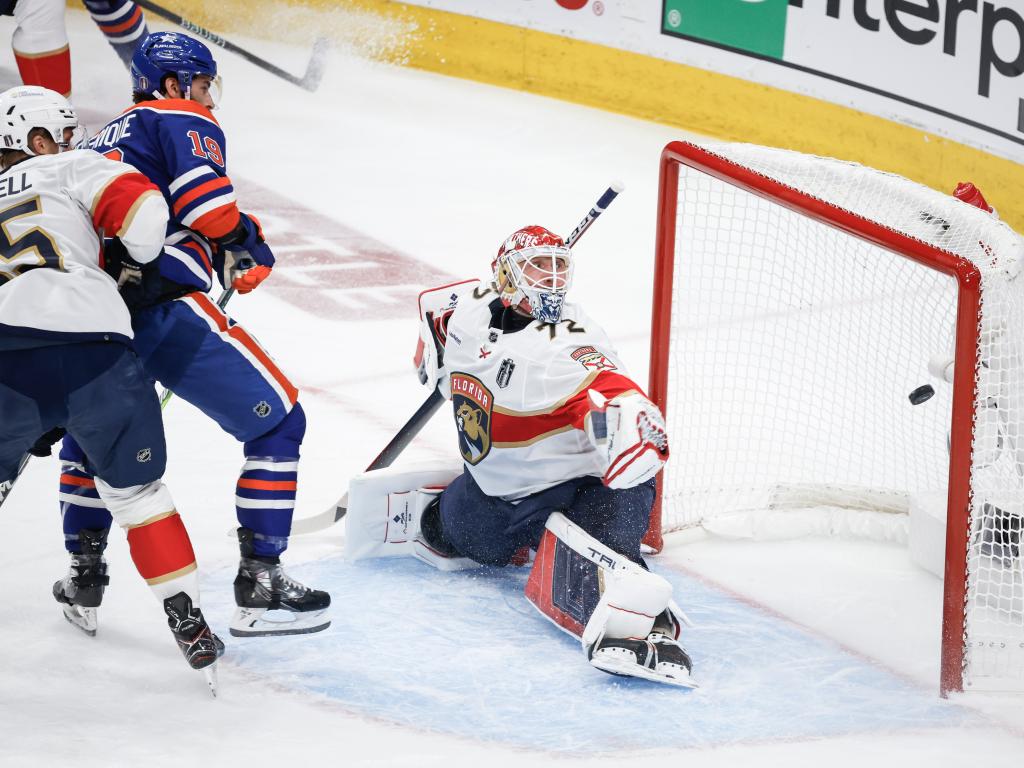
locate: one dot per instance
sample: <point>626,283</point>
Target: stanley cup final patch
<point>472,402</point>
<point>505,372</point>
<point>593,360</point>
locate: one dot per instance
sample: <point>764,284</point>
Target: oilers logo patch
<point>472,402</point>
<point>593,360</point>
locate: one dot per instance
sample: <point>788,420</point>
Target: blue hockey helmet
<point>170,53</point>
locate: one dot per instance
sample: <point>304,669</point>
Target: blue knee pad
<point>284,439</point>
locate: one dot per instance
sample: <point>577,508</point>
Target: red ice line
<point>380,282</point>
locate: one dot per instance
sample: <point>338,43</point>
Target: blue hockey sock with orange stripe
<point>265,493</point>
<point>80,505</point>
<point>122,22</point>
<point>265,500</point>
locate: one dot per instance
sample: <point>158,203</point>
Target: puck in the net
<point>921,394</point>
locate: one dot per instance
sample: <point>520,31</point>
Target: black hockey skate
<point>659,657</point>
<point>80,592</point>
<point>200,647</point>
<point>262,587</point>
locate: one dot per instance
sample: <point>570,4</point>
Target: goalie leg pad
<point>590,590</point>
<point>623,614</point>
<point>563,585</point>
<point>384,508</point>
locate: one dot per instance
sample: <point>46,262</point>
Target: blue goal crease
<point>466,654</point>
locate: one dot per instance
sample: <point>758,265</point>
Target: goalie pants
<point>194,349</point>
<point>98,392</point>
<point>489,530</point>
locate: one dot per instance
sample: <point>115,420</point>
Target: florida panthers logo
<point>592,359</point>
<point>472,402</point>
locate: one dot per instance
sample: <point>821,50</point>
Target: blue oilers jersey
<point>180,147</point>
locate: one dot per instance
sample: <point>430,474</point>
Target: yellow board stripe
<point>632,84</point>
<point>693,99</point>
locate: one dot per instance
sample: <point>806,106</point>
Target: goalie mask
<point>27,107</point>
<point>533,272</point>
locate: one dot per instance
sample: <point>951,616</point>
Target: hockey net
<point>797,301</point>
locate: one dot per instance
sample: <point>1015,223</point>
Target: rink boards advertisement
<point>928,89</point>
<point>952,67</point>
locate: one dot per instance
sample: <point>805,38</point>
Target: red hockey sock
<point>161,549</point>
<point>51,70</point>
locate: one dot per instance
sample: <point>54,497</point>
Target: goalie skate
<point>659,658</point>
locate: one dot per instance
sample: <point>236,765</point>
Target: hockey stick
<point>599,207</point>
<point>6,487</point>
<point>412,427</point>
<point>309,81</point>
<point>385,458</point>
<point>225,297</point>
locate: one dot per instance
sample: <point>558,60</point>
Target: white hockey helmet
<point>31,106</point>
<point>533,271</point>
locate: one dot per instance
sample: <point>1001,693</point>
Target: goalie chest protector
<point>519,397</point>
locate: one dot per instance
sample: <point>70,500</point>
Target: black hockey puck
<point>921,394</point>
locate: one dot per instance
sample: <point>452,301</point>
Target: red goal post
<point>717,204</point>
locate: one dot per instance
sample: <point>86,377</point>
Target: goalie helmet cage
<point>797,301</point>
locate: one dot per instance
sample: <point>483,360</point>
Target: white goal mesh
<point>796,332</point>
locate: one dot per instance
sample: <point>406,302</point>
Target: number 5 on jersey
<point>34,243</point>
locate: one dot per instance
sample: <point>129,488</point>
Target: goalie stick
<point>412,427</point>
<point>310,81</point>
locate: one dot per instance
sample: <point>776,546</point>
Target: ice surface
<point>817,653</point>
<point>467,654</point>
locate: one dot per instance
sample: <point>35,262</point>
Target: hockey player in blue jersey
<point>188,344</point>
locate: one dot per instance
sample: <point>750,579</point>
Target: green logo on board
<point>754,26</point>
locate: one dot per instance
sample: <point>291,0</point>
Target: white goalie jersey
<point>520,394</point>
<point>53,209</point>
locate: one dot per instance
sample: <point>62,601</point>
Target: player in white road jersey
<point>560,449</point>
<point>66,360</point>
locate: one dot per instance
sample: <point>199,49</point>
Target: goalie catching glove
<point>628,431</point>
<point>245,259</point>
